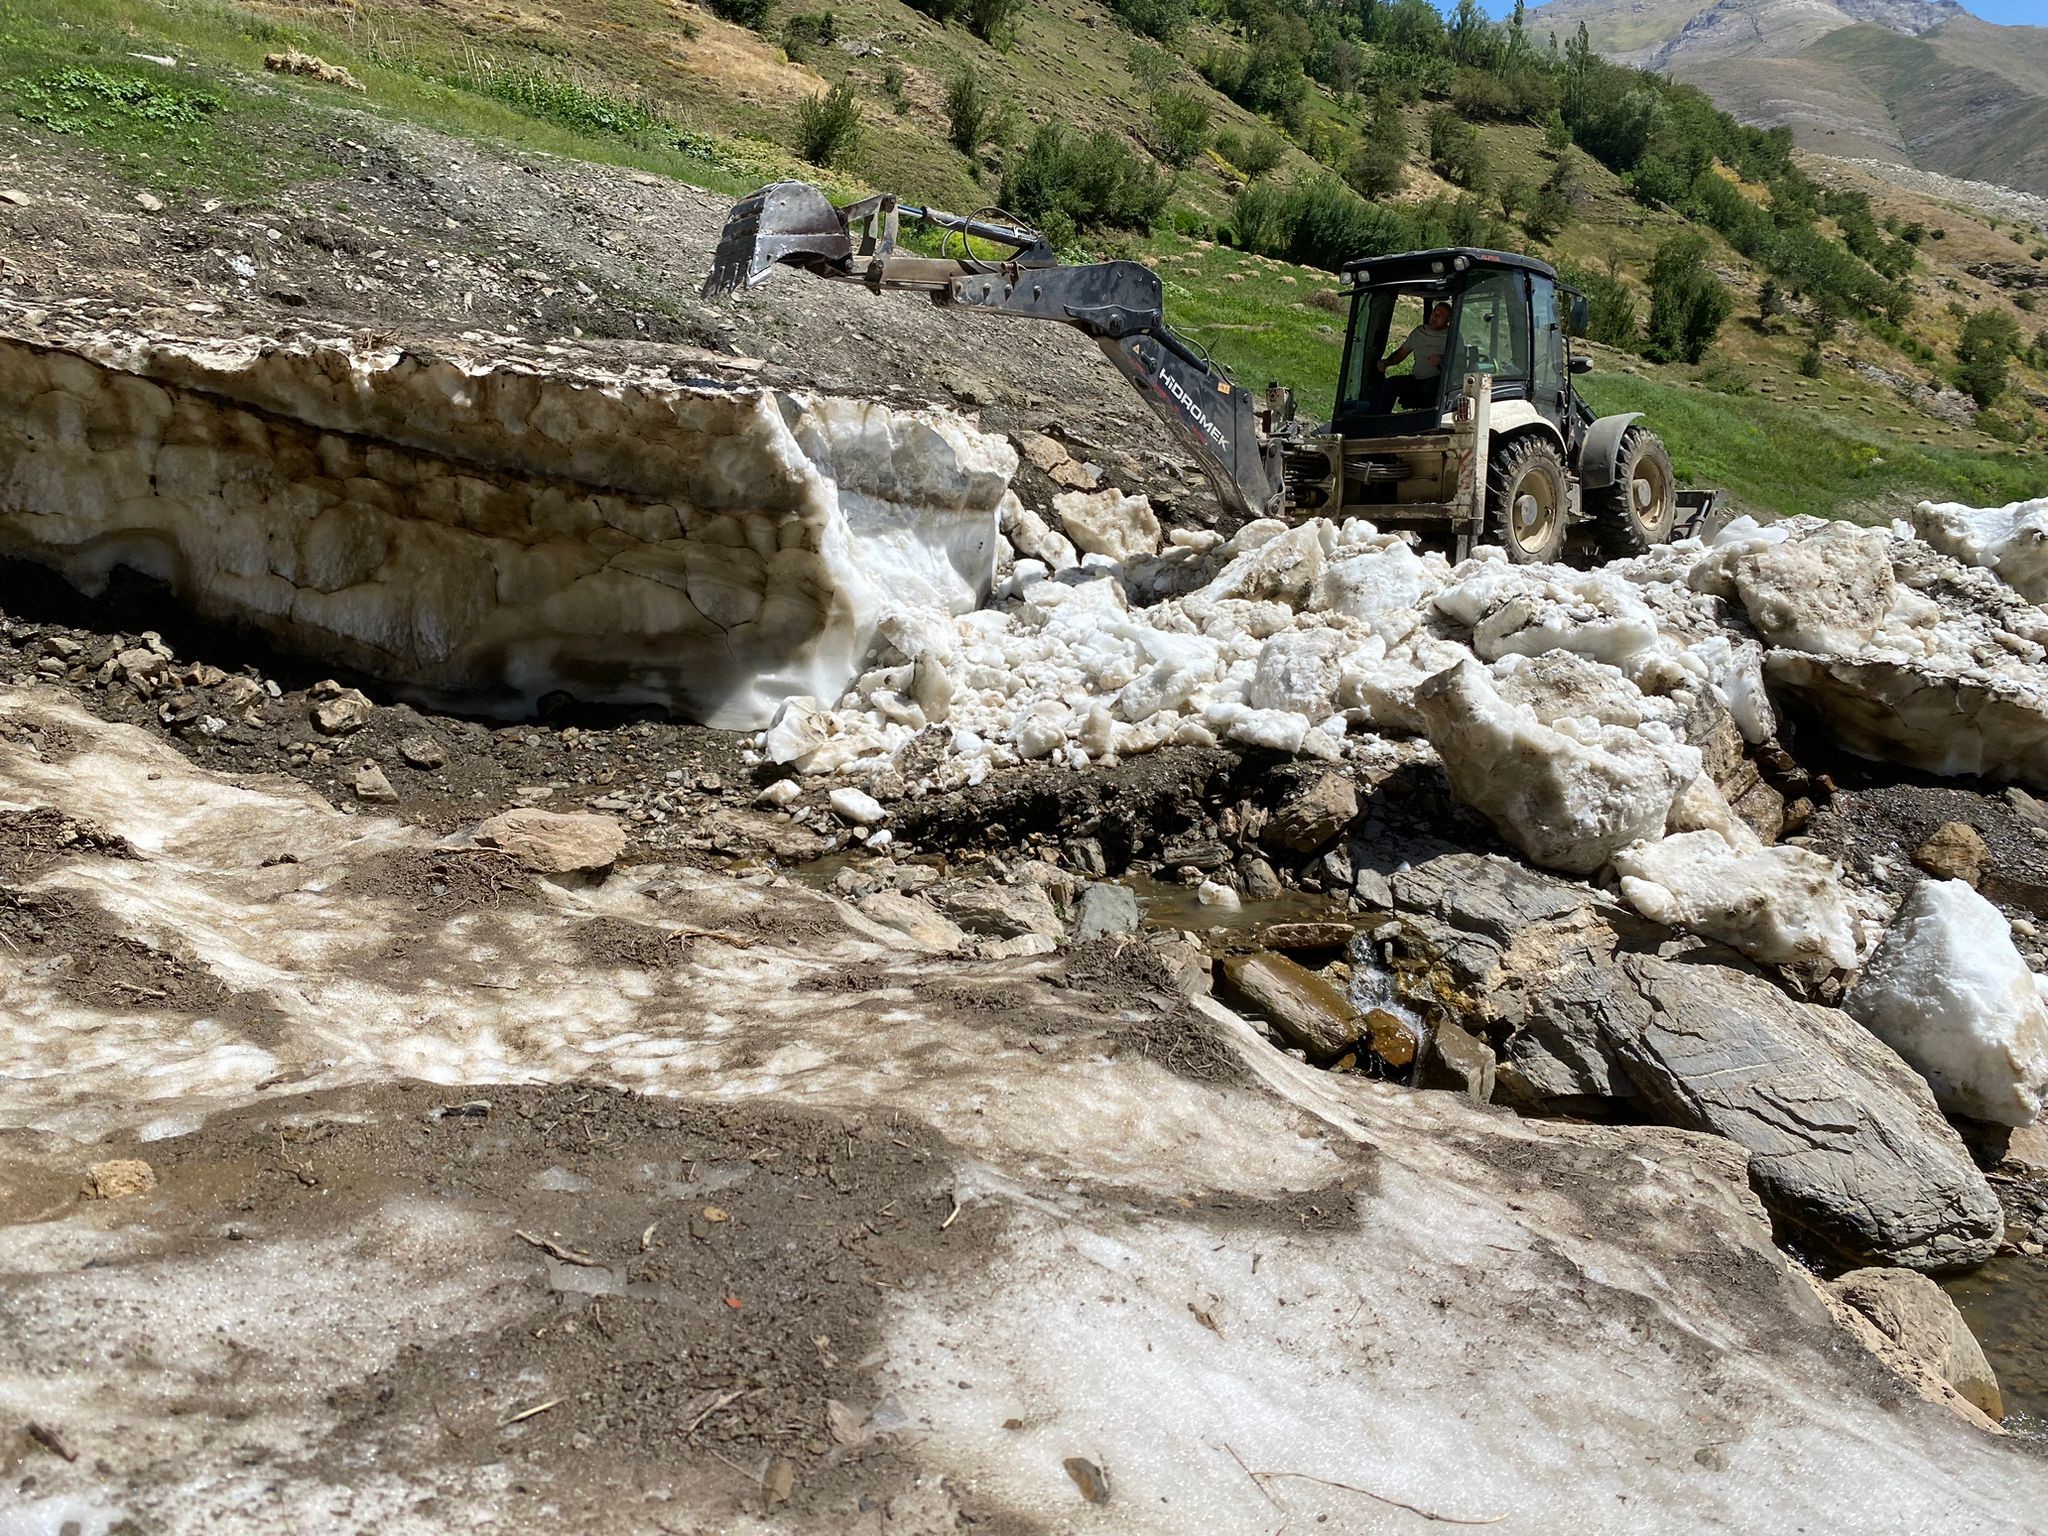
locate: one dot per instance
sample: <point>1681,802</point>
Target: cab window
<point>1492,330</point>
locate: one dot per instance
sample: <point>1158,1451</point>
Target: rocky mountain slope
<point>1920,82</point>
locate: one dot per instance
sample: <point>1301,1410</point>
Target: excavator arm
<point>1119,304</point>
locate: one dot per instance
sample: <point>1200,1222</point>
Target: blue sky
<point>2015,12</point>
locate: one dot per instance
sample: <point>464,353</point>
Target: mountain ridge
<point>1916,82</point>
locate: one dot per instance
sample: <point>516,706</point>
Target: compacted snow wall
<point>494,530</point>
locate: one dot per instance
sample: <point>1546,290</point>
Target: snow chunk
<point>856,807</point>
<point>1948,991</point>
<point>1109,523</point>
<point>2010,540</point>
<point>1557,755</point>
<point>1777,905</point>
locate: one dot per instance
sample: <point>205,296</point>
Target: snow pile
<point>1948,991</point>
<point>1783,906</point>
<point>486,527</point>
<point>2010,540</point>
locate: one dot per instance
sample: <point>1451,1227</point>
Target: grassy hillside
<point>667,87</point>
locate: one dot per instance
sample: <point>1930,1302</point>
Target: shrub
<point>1688,302</point>
<point>554,99</point>
<point>1557,138</point>
<point>1180,124</point>
<point>1549,213</point>
<point>1810,359</point>
<point>1455,152</point>
<point>1256,155</point>
<point>971,107</point>
<point>1375,172</point>
<point>745,13</point>
<point>1151,66</point>
<point>1066,183</point>
<point>828,125</point>
<point>1610,307</point>
<point>1657,180</point>
<point>1320,224</point>
<point>801,33</point>
<point>1984,355</point>
<point>994,21</point>
<point>1512,195</point>
<point>1481,97</point>
<point>941,11</point>
<point>1166,20</point>
<point>1266,77</point>
<point>893,81</point>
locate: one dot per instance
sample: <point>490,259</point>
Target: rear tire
<point>1636,512</point>
<point>1525,487</point>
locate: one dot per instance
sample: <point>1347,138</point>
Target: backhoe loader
<point>1491,444</point>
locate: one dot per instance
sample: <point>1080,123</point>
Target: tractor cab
<point>1449,315</point>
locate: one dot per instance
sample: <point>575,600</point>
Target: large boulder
<point>998,911</point>
<point>554,842</point>
<point>1846,1145</point>
<point>1950,993</point>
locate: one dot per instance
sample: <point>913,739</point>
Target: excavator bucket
<point>792,222</point>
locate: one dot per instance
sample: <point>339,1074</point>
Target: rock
<point>1194,856</point>
<point>1827,593</point>
<point>1022,947</point>
<point>119,1178</point>
<point>1287,937</point>
<point>1930,1337</point>
<point>856,807</point>
<point>554,842</point>
<point>371,785</point>
<point>1258,879</point>
<point>998,911</point>
<point>1372,888</point>
<point>14,197</point>
<point>1846,1145</point>
<point>149,202</point>
<point>2028,1147</point>
<point>1308,1012</point>
<point>140,667</point>
<point>916,919</point>
<point>1313,814</point>
<point>422,752</point>
<point>1457,1059</point>
<point>1045,453</point>
<point>1951,994</point>
<point>1955,850</point>
<point>1393,1039</point>
<point>1106,911</point>
<point>1782,906</point>
<point>1568,798</point>
<point>1214,893</point>
<point>1485,893</point>
<point>342,713</point>
<point>1109,523</point>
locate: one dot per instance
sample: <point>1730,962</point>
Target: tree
<point>1512,195</point>
<point>1688,302</point>
<point>1455,151</point>
<point>971,108</point>
<point>1770,302</point>
<point>1180,124</point>
<point>1374,172</point>
<point>1549,213</point>
<point>994,21</point>
<point>1557,138</point>
<point>1984,355</point>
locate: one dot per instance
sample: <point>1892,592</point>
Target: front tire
<point>1525,487</point>
<point>1637,511</point>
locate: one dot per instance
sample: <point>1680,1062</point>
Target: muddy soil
<point>694,1291</point>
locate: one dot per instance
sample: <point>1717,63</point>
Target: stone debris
<point>1955,850</point>
<point>422,752</point>
<point>1307,1011</point>
<point>120,1178</point>
<point>371,785</point>
<point>1924,1337</point>
<point>1105,911</point>
<point>1948,991</point>
<point>554,843</point>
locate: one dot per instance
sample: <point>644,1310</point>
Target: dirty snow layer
<point>491,530</point>
<point>1307,1277</point>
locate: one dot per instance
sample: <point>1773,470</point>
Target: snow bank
<point>1948,991</point>
<point>485,529</point>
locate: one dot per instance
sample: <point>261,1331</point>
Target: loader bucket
<point>793,222</point>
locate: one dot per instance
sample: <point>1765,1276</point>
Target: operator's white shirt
<point>1427,347</point>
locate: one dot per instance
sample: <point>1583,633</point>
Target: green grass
<point>1776,457</point>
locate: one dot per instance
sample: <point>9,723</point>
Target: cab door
<point>1549,377</point>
